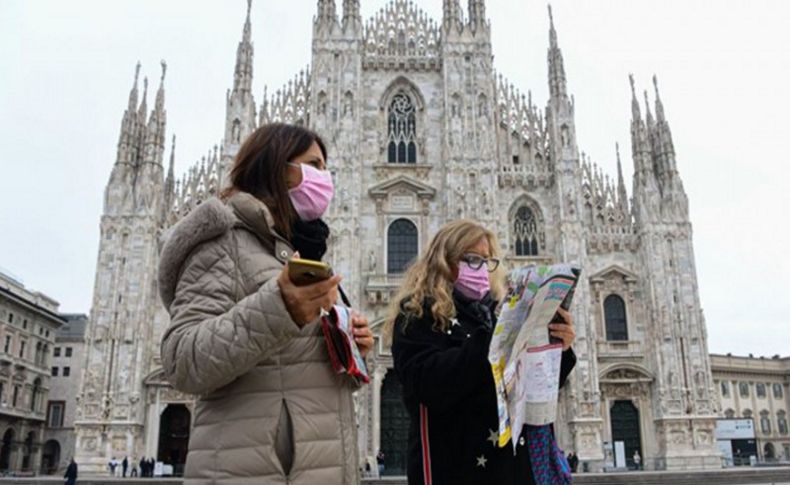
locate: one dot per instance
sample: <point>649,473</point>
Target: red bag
<point>343,351</point>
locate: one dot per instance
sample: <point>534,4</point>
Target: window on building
<point>515,159</point>
<point>781,423</point>
<point>401,245</point>
<point>778,394</point>
<point>35,396</point>
<point>68,351</point>
<point>729,414</point>
<point>614,316</point>
<point>24,324</point>
<point>56,352</point>
<point>2,393</point>
<point>55,412</point>
<point>401,130</point>
<point>46,334</point>
<point>725,389</point>
<point>760,389</point>
<point>765,422</point>
<point>15,397</point>
<point>54,372</point>
<point>22,345</point>
<point>7,347</point>
<point>525,232</point>
<point>66,371</point>
<point>743,389</point>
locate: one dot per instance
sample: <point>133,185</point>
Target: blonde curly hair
<point>432,275</point>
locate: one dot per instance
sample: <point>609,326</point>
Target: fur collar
<point>207,221</point>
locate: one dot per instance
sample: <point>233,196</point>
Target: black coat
<point>448,389</point>
<point>71,473</point>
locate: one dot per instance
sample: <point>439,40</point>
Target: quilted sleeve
<point>212,338</point>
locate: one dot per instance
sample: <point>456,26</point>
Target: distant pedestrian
<point>125,465</point>
<point>71,473</point>
<point>380,461</point>
<point>113,463</point>
<point>637,460</point>
<point>133,472</point>
<point>151,467</point>
<point>573,461</point>
<point>143,467</point>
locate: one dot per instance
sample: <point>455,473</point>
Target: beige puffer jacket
<point>270,408</point>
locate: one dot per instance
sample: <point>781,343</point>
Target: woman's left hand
<point>363,336</point>
<point>565,330</point>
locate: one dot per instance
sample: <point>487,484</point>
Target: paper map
<point>525,364</point>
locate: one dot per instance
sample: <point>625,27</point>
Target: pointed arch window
<point>401,245</point>
<point>401,130</point>
<point>614,315</point>
<point>525,232</point>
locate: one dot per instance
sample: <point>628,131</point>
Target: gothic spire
<point>143,109</point>
<point>451,15</point>
<point>160,93</point>
<point>648,115</point>
<point>133,92</point>
<point>127,140</point>
<point>557,83</point>
<point>170,183</point>
<point>477,13</point>
<point>351,15</point>
<point>635,113</point>
<point>171,167</point>
<point>659,104</point>
<point>622,194</point>
<point>327,13</point>
<point>242,76</point>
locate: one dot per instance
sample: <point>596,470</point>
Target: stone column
<point>152,429</point>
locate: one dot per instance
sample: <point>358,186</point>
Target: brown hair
<point>260,165</point>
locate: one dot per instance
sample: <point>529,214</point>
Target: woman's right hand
<point>304,303</point>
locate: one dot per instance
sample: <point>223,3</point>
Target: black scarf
<point>480,311</point>
<point>309,238</point>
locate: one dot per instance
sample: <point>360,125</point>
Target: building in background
<point>422,130</point>
<point>67,359</point>
<point>28,323</point>
<point>757,388</point>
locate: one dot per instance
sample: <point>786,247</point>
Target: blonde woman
<point>441,326</point>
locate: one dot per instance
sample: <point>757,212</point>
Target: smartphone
<point>306,271</point>
<point>565,305</point>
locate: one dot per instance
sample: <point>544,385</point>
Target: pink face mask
<point>472,283</point>
<point>312,196</point>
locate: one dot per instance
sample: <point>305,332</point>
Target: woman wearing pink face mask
<point>248,341</point>
<point>441,328</point>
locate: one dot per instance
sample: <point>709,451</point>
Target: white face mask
<point>312,196</point>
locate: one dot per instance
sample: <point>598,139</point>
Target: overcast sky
<point>66,68</point>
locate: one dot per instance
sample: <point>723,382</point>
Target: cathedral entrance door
<point>625,427</point>
<point>174,428</point>
<point>394,426</point>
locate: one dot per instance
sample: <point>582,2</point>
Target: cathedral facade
<point>421,130</point>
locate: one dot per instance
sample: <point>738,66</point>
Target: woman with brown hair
<point>441,326</point>
<point>245,338</point>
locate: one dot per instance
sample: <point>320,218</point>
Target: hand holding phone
<point>304,272</point>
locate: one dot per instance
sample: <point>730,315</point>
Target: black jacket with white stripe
<point>449,393</point>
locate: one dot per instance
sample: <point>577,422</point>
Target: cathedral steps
<point>737,476</point>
